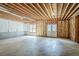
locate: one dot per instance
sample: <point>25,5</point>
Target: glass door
<point>52,30</point>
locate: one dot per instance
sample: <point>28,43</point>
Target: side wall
<point>63,29</point>
<point>10,26</point>
<point>74,23</point>
<point>72,28</point>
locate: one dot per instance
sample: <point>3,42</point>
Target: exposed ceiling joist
<point>69,10</point>
<point>65,11</point>
<point>42,11</point>
<point>32,10</point>
<point>75,10</point>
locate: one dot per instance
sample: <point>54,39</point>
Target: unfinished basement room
<point>39,29</point>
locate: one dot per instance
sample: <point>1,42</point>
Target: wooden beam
<point>65,11</point>
<point>33,10</point>
<point>52,11</point>
<point>69,11</point>
<point>13,7</point>
<point>10,9</point>
<point>21,9</point>
<point>61,10</point>
<point>75,10</point>
<point>27,10</point>
<point>47,10</point>
<point>37,10</point>
<point>24,9</point>
<point>42,10</point>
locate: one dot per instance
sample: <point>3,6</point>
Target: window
<point>49,27</point>
<point>3,25</point>
<point>26,27</point>
<point>30,30</point>
<point>34,28</point>
<point>30,27</point>
<point>52,27</point>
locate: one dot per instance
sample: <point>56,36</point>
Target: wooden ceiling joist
<point>52,12</point>
<point>65,11</point>
<point>69,10</point>
<point>47,10</point>
<point>61,10</point>
<point>42,11</point>
<point>75,10</point>
<point>32,10</point>
<point>37,10</point>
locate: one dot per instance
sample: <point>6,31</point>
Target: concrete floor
<point>38,46</point>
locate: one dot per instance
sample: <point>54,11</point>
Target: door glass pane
<point>54,27</point>
<point>49,27</point>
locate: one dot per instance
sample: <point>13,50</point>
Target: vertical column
<point>77,28</point>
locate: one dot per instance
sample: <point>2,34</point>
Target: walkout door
<point>52,30</point>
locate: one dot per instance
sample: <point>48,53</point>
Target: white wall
<point>3,25</point>
<point>10,26</point>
